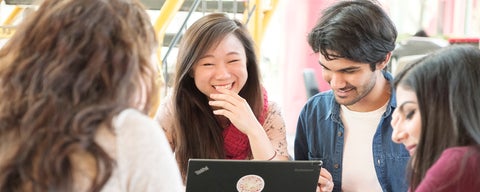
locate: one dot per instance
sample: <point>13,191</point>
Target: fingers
<point>233,94</point>
<point>228,102</point>
<point>226,106</point>
<point>222,105</point>
<point>325,181</point>
<point>229,96</point>
<point>324,184</point>
<point>324,173</point>
<point>327,187</point>
<point>236,109</point>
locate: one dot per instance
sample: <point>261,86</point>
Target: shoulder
<point>319,102</point>
<point>131,120</point>
<point>165,117</point>
<point>144,158</point>
<point>456,154</point>
<point>457,150</point>
<point>274,107</point>
<point>165,109</point>
<point>325,97</point>
<point>135,130</point>
<point>457,166</point>
<point>129,115</point>
<point>453,154</point>
<point>274,118</point>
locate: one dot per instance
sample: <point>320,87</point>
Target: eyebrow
<point>405,103</point>
<point>205,56</point>
<point>229,53</point>
<point>344,69</point>
<point>233,53</point>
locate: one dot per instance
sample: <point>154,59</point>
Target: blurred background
<point>291,73</point>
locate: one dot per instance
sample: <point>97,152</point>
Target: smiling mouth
<point>343,92</point>
<point>228,86</point>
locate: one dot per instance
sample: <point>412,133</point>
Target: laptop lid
<point>212,175</point>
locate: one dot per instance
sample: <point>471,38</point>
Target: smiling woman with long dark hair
<point>219,109</point>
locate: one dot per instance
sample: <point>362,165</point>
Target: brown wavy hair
<point>68,70</point>
<point>198,134</point>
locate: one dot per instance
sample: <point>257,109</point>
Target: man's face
<point>350,81</point>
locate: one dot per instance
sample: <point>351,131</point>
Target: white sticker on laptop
<point>250,183</point>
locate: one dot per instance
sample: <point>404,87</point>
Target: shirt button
<point>378,161</point>
<point>336,166</point>
<point>339,134</point>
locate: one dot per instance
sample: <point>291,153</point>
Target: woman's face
<point>222,66</point>
<point>406,120</point>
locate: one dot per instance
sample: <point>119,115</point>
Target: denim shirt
<point>320,136</point>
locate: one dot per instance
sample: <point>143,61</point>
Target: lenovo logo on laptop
<point>201,170</point>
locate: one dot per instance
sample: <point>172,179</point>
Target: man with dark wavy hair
<point>348,127</point>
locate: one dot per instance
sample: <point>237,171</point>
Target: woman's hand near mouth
<point>236,109</point>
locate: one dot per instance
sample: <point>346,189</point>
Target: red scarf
<point>235,142</point>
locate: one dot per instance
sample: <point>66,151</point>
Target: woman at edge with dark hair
<point>219,109</point>
<point>438,120</point>
<point>76,80</point>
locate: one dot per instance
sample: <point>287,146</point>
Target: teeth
<point>223,86</point>
<point>344,90</point>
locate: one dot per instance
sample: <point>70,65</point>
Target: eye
<point>207,64</point>
<point>410,114</point>
<point>349,71</point>
<point>234,60</point>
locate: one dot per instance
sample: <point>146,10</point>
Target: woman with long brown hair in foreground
<point>76,80</point>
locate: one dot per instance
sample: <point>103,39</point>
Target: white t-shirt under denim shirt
<point>358,163</point>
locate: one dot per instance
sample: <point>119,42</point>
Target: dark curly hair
<point>357,30</point>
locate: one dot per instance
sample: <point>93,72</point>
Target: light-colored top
<point>144,160</point>
<point>358,163</point>
<point>274,125</point>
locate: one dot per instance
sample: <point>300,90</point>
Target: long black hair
<point>198,134</point>
<point>446,84</point>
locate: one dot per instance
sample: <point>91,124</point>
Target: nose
<point>398,135</point>
<point>222,71</point>
<point>337,81</point>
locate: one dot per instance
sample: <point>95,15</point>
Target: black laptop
<point>215,175</point>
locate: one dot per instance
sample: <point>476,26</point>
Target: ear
<point>384,63</point>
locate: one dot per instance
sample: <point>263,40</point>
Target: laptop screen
<point>212,175</point>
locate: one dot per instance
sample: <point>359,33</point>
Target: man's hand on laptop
<point>325,182</point>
